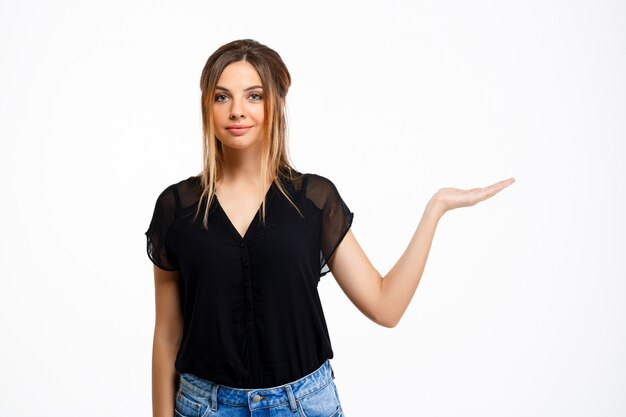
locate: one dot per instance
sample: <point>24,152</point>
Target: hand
<point>450,198</point>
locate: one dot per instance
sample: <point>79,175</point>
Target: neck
<point>242,166</point>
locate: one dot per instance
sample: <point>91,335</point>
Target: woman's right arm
<point>167,335</point>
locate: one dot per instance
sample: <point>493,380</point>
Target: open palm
<point>450,198</point>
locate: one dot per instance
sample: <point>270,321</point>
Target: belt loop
<point>292,399</point>
<point>214,398</point>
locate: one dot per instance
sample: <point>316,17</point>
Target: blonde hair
<point>275,79</point>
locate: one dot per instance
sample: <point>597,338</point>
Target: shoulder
<point>319,183</point>
<point>180,192</point>
<point>321,190</point>
<point>313,186</point>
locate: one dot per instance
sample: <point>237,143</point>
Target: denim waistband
<point>259,397</point>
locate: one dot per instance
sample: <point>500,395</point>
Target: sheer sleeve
<point>162,218</point>
<point>336,216</point>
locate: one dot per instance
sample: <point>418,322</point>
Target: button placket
<point>247,277</point>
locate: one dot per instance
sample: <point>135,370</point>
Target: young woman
<point>239,249</point>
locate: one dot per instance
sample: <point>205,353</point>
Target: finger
<point>502,184</point>
<point>495,188</point>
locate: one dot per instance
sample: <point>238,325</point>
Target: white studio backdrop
<point>520,310</point>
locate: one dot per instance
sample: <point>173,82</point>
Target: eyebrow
<point>247,89</point>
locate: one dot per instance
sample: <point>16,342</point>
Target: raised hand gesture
<point>450,198</point>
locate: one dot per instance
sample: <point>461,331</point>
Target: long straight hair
<point>275,79</point>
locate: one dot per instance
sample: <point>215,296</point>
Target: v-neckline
<point>252,222</point>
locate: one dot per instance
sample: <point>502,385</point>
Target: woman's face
<point>238,110</point>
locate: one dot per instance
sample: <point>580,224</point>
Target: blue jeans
<point>314,395</point>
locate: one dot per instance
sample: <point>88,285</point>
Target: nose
<point>236,111</point>
<point>237,115</point>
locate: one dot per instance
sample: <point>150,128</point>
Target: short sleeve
<point>336,216</point>
<point>156,235</point>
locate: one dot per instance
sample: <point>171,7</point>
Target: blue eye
<point>255,96</point>
<point>220,97</point>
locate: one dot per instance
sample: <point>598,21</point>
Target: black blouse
<point>252,316</point>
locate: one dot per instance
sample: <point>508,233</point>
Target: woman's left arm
<point>384,300</point>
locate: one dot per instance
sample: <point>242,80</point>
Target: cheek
<point>220,116</point>
<point>259,112</point>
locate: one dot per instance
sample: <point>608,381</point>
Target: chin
<point>239,144</point>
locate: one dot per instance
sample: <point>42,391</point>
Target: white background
<point>520,310</point>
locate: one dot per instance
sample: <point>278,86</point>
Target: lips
<point>238,130</point>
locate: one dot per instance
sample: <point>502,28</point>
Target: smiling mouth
<point>238,130</point>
